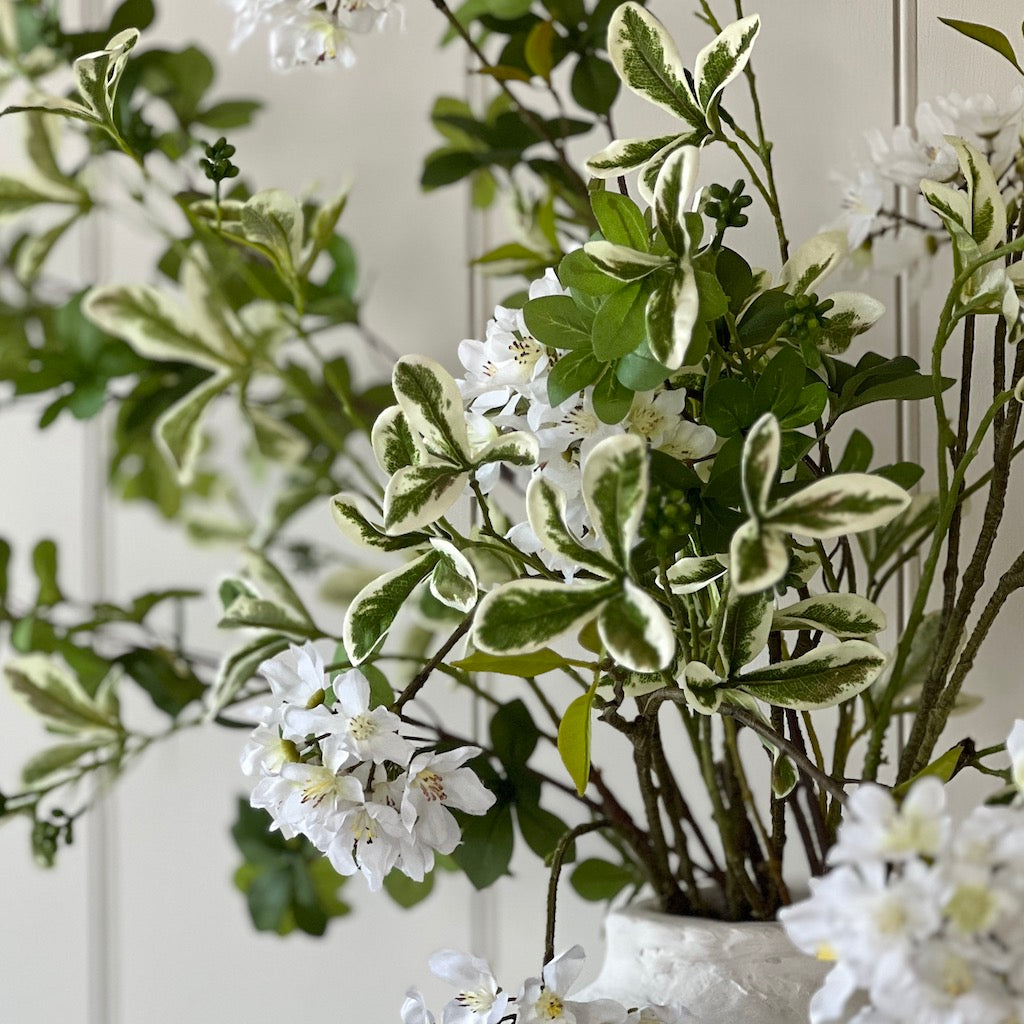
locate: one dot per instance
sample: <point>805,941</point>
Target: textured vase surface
<point>713,972</point>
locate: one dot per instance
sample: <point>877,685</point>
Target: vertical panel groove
<point>100,838</point>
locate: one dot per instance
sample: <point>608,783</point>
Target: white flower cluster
<point>311,31</point>
<point>543,1000</point>
<point>910,154</point>
<point>924,921</point>
<point>506,385</point>
<point>338,771</point>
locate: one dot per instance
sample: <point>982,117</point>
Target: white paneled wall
<point>179,943</point>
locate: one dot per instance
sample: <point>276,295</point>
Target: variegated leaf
<point>394,446</point>
<point>453,581</point>
<point>760,463</point>
<point>247,612</point>
<point>689,575</point>
<point>843,503</point>
<point>622,262</point>
<point>821,678</point>
<point>239,666</point>
<point>724,58</point>
<point>419,495</point>
<point>813,261</point>
<point>98,74</point>
<point>352,513</point>
<point>626,155</point>
<point>673,196</point>
<point>758,558</point>
<point>671,314</point>
<point>615,492</point>
<point>954,209</point>
<point>647,61</point>
<point>273,220</point>
<point>702,687</point>
<point>376,606</point>
<point>545,509</point>
<point>988,211</point>
<point>54,694</point>
<point>178,432</point>
<point>524,616</point>
<point>636,631</point>
<point>748,621</point>
<point>852,313</point>
<point>517,448</point>
<point>152,324</point>
<point>843,615</point>
<point>433,407</point>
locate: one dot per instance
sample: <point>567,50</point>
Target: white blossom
<point>478,1000</point>
<point>545,1000</point>
<point>1015,748</point>
<point>862,203</point>
<point>911,154</point>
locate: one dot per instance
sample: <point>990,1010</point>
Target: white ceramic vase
<point>711,972</point>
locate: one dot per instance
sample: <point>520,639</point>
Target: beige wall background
<point>139,923</point>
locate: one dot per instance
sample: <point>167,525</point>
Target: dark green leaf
<point>571,374</point>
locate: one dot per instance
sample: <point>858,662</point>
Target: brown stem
<point>420,679</point>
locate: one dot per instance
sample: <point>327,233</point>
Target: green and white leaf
<point>821,678</point>
<point>433,407</point>
<point>626,155</point>
<point>151,323</point>
<point>758,558</point>
<point>394,446</point>
<point>54,694</point>
<point>813,261</point>
<point>419,495</point>
<point>238,667</point>
<point>178,431</point>
<point>517,448</point>
<point>647,61</point>
<point>352,513</point>
<point>20,194</point>
<point>702,687</point>
<point>759,464</point>
<point>615,492</point>
<point>672,312</point>
<point>673,197</point>
<point>622,262</point>
<point>375,607</point>
<point>988,210</point>
<point>453,581</point>
<point>842,615</point>
<point>954,209</point>
<point>273,220</point>
<point>98,74</point>
<point>545,509</point>
<point>636,631</point>
<point>852,313</point>
<point>745,629</point>
<point>688,575</point>
<point>53,762</point>
<point>247,612</point>
<point>839,504</point>
<point>724,58</point>
<point>524,616</point>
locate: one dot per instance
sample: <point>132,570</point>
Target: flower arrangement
<point>650,498</point>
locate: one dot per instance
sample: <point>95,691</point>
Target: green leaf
<point>273,220</point>
<point>17,196</point>
<point>571,374</point>
<point>556,321</point>
<point>525,666</point>
<point>943,768</point>
<point>729,406</point>
<point>229,114</point>
<point>748,621</point>
<point>639,371</point>
<point>579,272</point>
<point>636,631</point>
<point>54,760</point>
<point>626,155</point>
<point>842,615</point>
<point>821,678</point>
<point>524,616</point>
<point>990,37</point>
<point>615,491</point>
<point>574,738</point>
<point>514,735</point>
<point>487,844</point>
<point>594,84</point>
<point>541,829</point>
<point>839,504</point>
<point>44,564</point>
<point>777,389</point>
<point>420,495</point>
<point>760,464</point>
<point>724,58</point>
<point>647,61</point>
<point>259,613</point>
<point>240,665</point>
<point>376,606</point>
<point>168,680</point>
<point>178,430</point>
<point>57,696</point>
<point>619,219</point>
<point>433,407</point>
<point>619,323</point>
<point>405,891</point>
<point>598,880</point>
<point>612,399</point>
<point>539,48</point>
<point>811,402</point>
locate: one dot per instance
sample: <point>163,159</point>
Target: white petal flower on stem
<point>981,115</point>
<point>368,839</point>
<point>478,1000</point>
<point>414,1009</point>
<point>545,1000</point>
<point>434,783</point>
<point>371,734</point>
<point>296,676</point>
<point>912,154</point>
<point>267,751</point>
<point>862,203</point>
